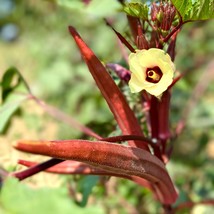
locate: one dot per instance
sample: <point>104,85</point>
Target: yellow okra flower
<point>151,70</point>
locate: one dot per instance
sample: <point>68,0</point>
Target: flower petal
<point>134,84</point>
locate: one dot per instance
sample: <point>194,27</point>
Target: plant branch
<point>121,38</point>
<point>36,169</point>
<point>61,116</point>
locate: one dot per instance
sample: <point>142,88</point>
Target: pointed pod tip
<point>70,27</point>
<point>18,145</point>
<point>15,144</point>
<point>21,161</point>
<point>72,30</point>
<point>21,143</point>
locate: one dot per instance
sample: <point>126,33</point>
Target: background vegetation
<point>34,38</point>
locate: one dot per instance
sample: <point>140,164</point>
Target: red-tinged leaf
<point>115,158</point>
<point>115,99</point>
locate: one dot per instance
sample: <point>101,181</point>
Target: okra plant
<point>144,147</point>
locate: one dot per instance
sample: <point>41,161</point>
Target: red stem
<point>121,138</point>
<point>121,38</point>
<point>159,119</point>
<point>154,119</point>
<point>36,169</point>
<point>163,118</point>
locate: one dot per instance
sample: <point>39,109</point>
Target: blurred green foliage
<point>45,54</point>
<point>24,200</point>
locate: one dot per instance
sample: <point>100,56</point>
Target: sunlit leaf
<point>11,79</point>
<point>137,9</point>
<point>8,109</point>
<point>195,10</point>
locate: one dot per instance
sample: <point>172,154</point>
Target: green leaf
<point>9,82</point>
<point>17,198</point>
<point>193,10</point>
<point>11,79</point>
<point>137,9</point>
<point>8,108</point>
<point>86,185</point>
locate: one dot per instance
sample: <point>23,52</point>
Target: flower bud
<point>163,15</point>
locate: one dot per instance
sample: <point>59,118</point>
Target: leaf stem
<point>36,169</point>
<point>175,29</point>
<point>61,116</point>
<point>121,38</point>
<point>163,119</point>
<point>154,117</point>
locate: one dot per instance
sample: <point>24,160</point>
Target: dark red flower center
<point>154,74</point>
